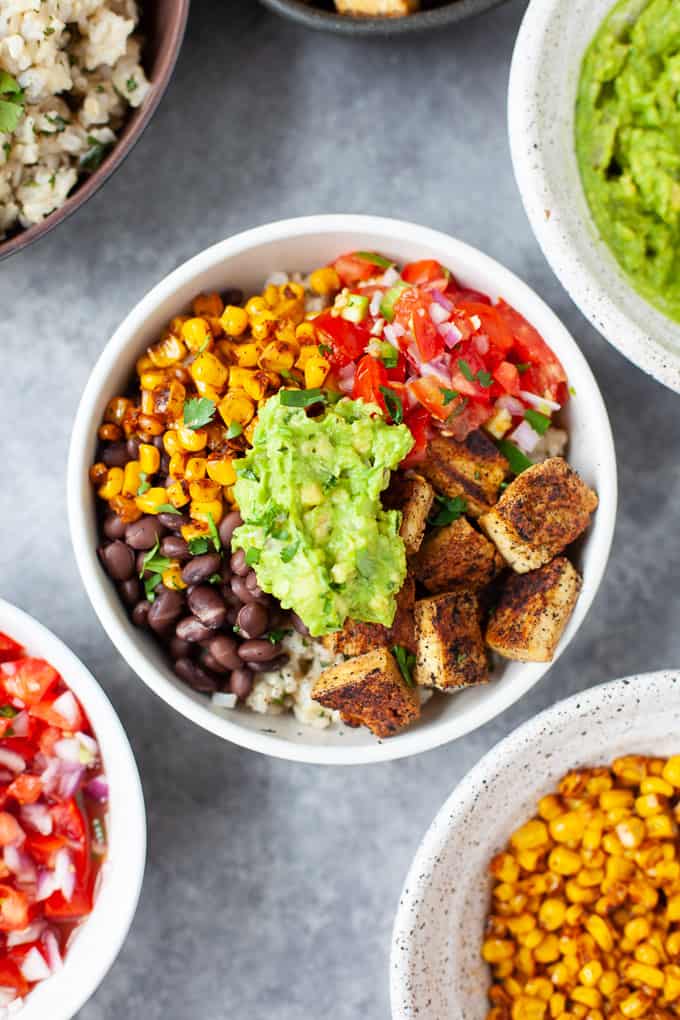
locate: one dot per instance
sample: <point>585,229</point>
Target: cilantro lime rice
<point>69,73</point>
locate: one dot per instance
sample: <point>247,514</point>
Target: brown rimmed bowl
<point>162,25</point>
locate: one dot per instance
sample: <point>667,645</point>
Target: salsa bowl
<point>436,14</point>
<point>244,261</point>
<point>436,968</point>
<point>99,938</point>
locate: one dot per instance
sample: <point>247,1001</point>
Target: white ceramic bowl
<point>99,939</point>
<point>545,71</point>
<point>436,970</point>
<point>245,261</point>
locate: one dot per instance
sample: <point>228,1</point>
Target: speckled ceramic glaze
<point>543,84</point>
<point>436,970</point>
<point>312,16</point>
<point>245,261</point>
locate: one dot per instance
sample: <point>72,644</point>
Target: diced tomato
<point>412,312</point>
<point>57,908</point>
<point>347,340</point>
<point>430,393</point>
<point>10,830</point>
<point>20,745</point>
<point>457,294</point>
<point>46,712</point>
<point>352,269</point>
<point>467,368</point>
<point>28,679</point>
<point>69,822</point>
<point>43,848</point>
<point>424,271</point>
<point>9,648</point>
<point>48,739</point>
<point>492,324</point>
<point>11,977</point>
<point>13,909</point>
<point>530,347</point>
<point>507,376</point>
<point>370,375</point>
<point>25,789</point>
<point>466,418</point>
<point>417,420</point>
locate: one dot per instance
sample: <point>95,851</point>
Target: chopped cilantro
<point>466,370</point>
<point>246,472</point>
<point>93,158</point>
<point>278,635</point>
<point>58,121</point>
<point>405,661</point>
<point>214,533</point>
<point>8,711</point>
<point>150,583</point>
<point>11,102</point>
<point>395,408</point>
<point>301,398</point>
<point>449,509</point>
<point>49,31</point>
<point>153,561</point>
<point>253,556</point>
<point>448,395</point>
<point>464,401</point>
<point>539,422</point>
<point>234,430</point>
<point>168,508</point>
<point>131,84</point>
<point>198,546</point>
<point>6,148</point>
<point>484,379</point>
<point>325,349</point>
<point>144,484</point>
<point>215,579</point>
<point>522,367</point>
<point>198,412</point>
<point>289,551</point>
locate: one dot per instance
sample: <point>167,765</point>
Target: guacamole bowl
<point>546,67</point>
<point>245,261</point>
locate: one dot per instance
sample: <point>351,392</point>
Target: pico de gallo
<point>434,354</point>
<point>53,797</point>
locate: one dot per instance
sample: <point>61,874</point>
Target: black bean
<point>241,589</point>
<point>158,443</point>
<point>225,570</point>
<point>195,677</point>
<point>232,615</point>
<point>133,445</point>
<point>208,605</point>
<point>211,663</point>
<point>191,629</point>
<point>144,533</point>
<point>180,649</point>
<point>252,585</point>
<point>174,522</point>
<point>140,614</point>
<point>130,591</point>
<point>228,526</point>
<point>252,620</point>
<point>115,454</point>
<point>238,563</point>
<point>233,296</point>
<point>165,463</point>
<point>165,609</point>
<point>113,527</point>
<point>299,625</point>
<point>200,568</point>
<point>174,547</point>
<point>259,650</point>
<point>241,683</point>
<point>224,649</point>
<point>118,560</point>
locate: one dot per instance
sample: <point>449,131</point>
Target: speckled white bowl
<point>245,261</point>
<point>436,969</point>
<point>543,83</point>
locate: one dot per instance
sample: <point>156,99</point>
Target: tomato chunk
<point>412,312</point>
<point>25,789</point>
<point>347,340</point>
<point>507,376</point>
<point>417,420</point>
<point>492,324</point>
<point>46,711</point>
<point>352,268</point>
<point>424,271</point>
<point>11,976</point>
<point>58,908</point>
<point>10,830</point>
<point>13,909</point>
<point>9,648</point>
<point>370,375</point>
<point>28,679</point>
<point>530,347</point>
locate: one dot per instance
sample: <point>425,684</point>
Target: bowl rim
<point>465,795</point>
<point>121,150</point>
<point>538,194</point>
<point>410,741</point>
<point>326,21</point>
<point>102,935</point>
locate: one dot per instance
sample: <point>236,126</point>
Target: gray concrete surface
<point>271,888</point>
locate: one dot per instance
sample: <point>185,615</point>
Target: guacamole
<point>628,143</point>
<point>314,529</point>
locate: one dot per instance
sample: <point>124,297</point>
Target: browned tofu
<point>356,637</point>
<point>456,556</point>
<point>451,652</point>
<point>369,691</point>
<point>533,611</point>
<point>543,511</point>
<point>414,496</point>
<point>377,8</point>
<point>473,469</point>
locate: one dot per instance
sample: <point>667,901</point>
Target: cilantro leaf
<point>395,408</point>
<point>448,395</point>
<point>301,398</point>
<point>253,556</point>
<point>214,533</point>
<point>522,367</point>
<point>234,430</point>
<point>198,546</point>
<point>466,370</point>
<point>484,379</point>
<point>144,484</point>
<point>11,102</point>
<point>8,711</point>
<point>168,508</point>
<point>325,349</point>
<point>449,510</point>
<point>539,422</point>
<point>153,562</point>
<point>405,661</point>
<point>198,412</point>
<point>94,157</point>
<point>150,583</point>
<point>278,635</point>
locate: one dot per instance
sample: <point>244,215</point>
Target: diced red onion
<point>65,872</point>
<point>30,934</point>
<point>37,817</point>
<point>450,334</point>
<point>481,342</point>
<point>374,306</point>
<point>389,277</point>
<point>54,957</point>
<point>539,402</point>
<point>51,775</point>
<point>70,779</point>
<point>45,885</point>
<point>476,321</point>
<point>442,300</point>
<point>20,864</point>
<point>68,750</point>
<point>98,788</point>
<point>377,327</point>
<point>13,761</point>
<point>525,437</point>
<point>67,707</point>
<point>438,313</point>
<point>346,377</point>
<point>34,966</point>
<point>511,404</point>
<point>222,700</point>
<point>390,334</point>
<point>437,371</point>
<point>20,724</point>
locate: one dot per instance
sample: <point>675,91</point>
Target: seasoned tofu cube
<point>473,469</point>
<point>533,611</point>
<point>456,556</point>
<point>369,691</point>
<point>414,496</point>
<point>451,652</point>
<point>377,8</point>
<point>356,637</point>
<point>543,511</point>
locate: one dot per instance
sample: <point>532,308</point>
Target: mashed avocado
<point>628,143</point>
<point>315,531</point>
